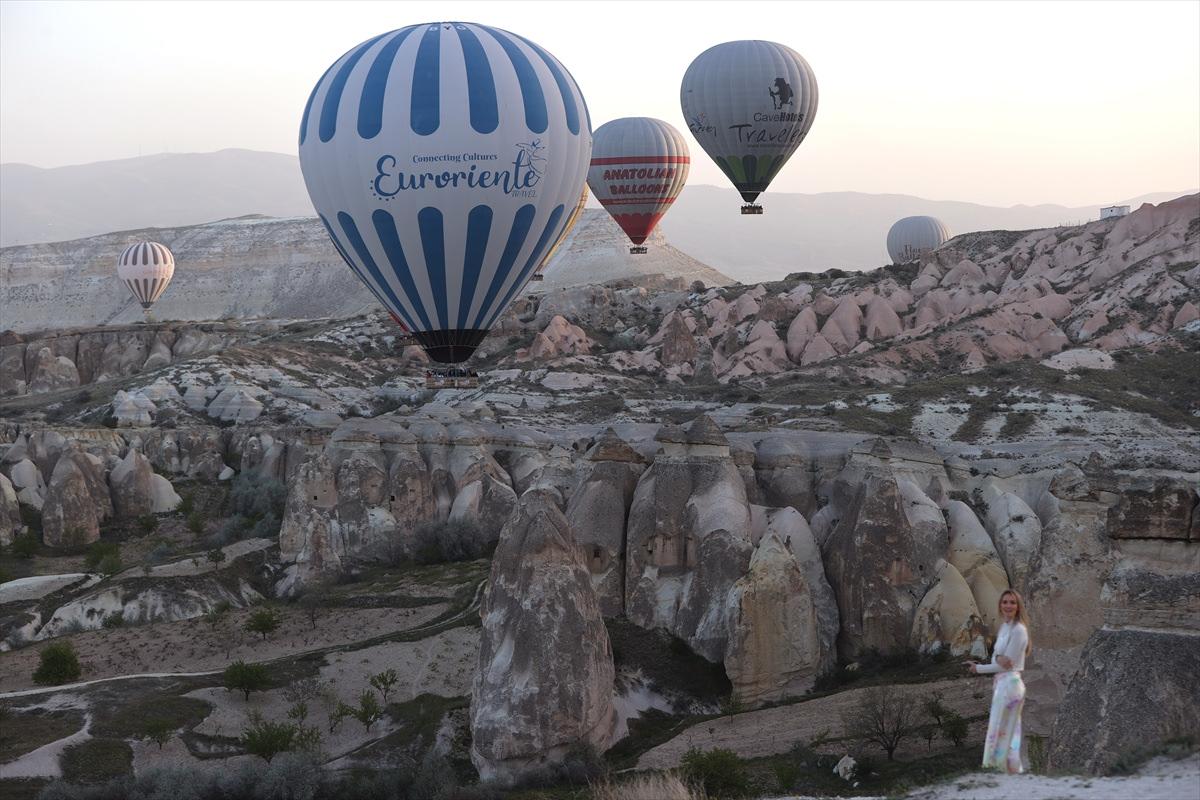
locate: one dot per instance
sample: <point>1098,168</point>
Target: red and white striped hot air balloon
<point>146,268</point>
<point>639,166</point>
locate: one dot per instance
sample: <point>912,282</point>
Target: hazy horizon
<point>994,103</point>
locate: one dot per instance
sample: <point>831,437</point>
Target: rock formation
<point>545,677</point>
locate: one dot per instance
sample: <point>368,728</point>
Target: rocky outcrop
<point>136,490</point>
<point>545,677</point>
<point>597,512</point>
<point>777,647</point>
<point>688,539</point>
<point>880,565</point>
<point>974,557</point>
<point>132,410</point>
<point>1154,508</point>
<point>10,512</point>
<point>51,373</point>
<point>1134,689</point>
<point>77,501</point>
<point>948,617</point>
<point>1016,531</point>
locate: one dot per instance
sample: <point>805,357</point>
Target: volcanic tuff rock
<point>77,501</point>
<point>880,563</point>
<point>545,678</point>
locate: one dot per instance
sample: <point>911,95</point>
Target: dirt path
<point>754,734</point>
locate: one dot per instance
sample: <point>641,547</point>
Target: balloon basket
<point>406,340</point>
<point>451,378</point>
<point>538,277</point>
<point>751,208</point>
<point>637,250</point>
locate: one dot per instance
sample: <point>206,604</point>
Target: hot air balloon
<point>639,166</point>
<point>749,104</point>
<point>912,236</point>
<point>571,220</point>
<point>146,268</point>
<point>444,160</point>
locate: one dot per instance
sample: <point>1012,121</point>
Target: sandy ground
<point>1159,779</point>
<point>43,762</point>
<point>195,646</point>
<point>774,730</point>
<point>36,587</point>
<point>442,665</point>
<point>198,565</point>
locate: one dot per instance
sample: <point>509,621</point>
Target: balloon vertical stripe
<point>426,86</point>
<point>516,240</point>
<point>337,245</point>
<point>479,228</point>
<point>531,89</point>
<point>536,258</point>
<point>564,88</point>
<point>434,248</point>
<point>389,239</point>
<point>333,98</point>
<point>370,105</point>
<point>308,105</point>
<point>365,258</point>
<point>481,84</point>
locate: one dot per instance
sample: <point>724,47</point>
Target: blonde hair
<point>1021,616</point>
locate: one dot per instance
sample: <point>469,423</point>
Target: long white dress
<point>1002,748</point>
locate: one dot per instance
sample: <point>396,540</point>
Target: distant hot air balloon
<point>912,236</point>
<point>749,104</point>
<point>639,166</point>
<point>444,160</point>
<point>146,268</point>
<point>571,220</point>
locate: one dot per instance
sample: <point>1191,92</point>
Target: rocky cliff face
<point>545,678</point>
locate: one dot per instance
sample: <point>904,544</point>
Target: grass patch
<point>1016,424</point>
<point>96,761</point>
<point>128,720</point>
<point>647,731</point>
<point>804,772</point>
<point>25,732</point>
<point>22,788</point>
<point>972,426</point>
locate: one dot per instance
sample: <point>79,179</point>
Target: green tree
<point>719,772</point>
<point>955,728</point>
<point>368,711</point>
<point>25,545</point>
<point>196,522</point>
<point>311,602</point>
<point>883,717</point>
<point>216,556</point>
<point>98,551</point>
<point>58,664</point>
<point>109,565</point>
<point>268,739</point>
<point>147,524</point>
<point>264,621</point>
<point>217,613</point>
<point>158,731</point>
<point>247,678</point>
<point>384,682</point>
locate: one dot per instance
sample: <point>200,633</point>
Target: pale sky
<point>998,103</point>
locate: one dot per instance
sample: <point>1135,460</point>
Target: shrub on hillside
<point>259,500</point>
<point>25,545</point>
<point>718,772</point>
<point>98,551</point>
<point>57,664</point>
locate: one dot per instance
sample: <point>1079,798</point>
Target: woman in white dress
<point>1002,748</point>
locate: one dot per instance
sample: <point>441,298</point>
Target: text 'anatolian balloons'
<point>444,159</point>
<point>639,166</point>
<point>749,104</point>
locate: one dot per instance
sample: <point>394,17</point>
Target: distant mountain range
<point>797,232</point>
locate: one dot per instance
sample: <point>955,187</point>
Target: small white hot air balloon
<point>146,268</point>
<point>912,236</point>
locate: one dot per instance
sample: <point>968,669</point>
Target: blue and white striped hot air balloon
<point>445,159</point>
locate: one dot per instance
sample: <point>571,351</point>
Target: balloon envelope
<point>571,220</point>
<point>146,268</point>
<point>639,166</point>
<point>912,236</point>
<point>749,104</point>
<point>444,160</point>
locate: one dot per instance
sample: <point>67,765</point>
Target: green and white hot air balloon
<point>749,104</point>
